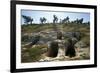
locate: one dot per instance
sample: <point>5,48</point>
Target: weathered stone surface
<point>73,35</point>
<point>80,44</point>
<point>52,49</point>
<point>59,35</point>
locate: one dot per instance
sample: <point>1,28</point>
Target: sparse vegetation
<point>33,54</point>
<point>76,30</point>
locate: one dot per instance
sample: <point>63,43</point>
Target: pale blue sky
<point>49,15</point>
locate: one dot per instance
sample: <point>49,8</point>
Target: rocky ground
<point>82,50</point>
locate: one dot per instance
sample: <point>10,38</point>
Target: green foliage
<point>43,20</point>
<point>55,19</point>
<point>33,54</point>
<point>27,19</point>
<point>84,56</point>
<point>35,28</point>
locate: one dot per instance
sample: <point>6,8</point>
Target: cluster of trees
<point>78,21</point>
<point>43,20</point>
<point>65,20</point>
<point>27,19</point>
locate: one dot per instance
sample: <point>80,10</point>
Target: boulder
<point>73,35</point>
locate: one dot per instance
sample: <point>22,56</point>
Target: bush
<point>33,54</point>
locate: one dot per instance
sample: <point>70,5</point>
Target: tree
<point>27,19</point>
<point>65,20</point>
<point>55,19</point>
<point>88,23</point>
<point>80,21</point>
<point>77,21</point>
<point>31,20</point>
<point>43,20</point>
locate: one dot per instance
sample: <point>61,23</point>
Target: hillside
<point>79,33</point>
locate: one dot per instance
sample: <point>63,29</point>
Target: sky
<point>49,15</point>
